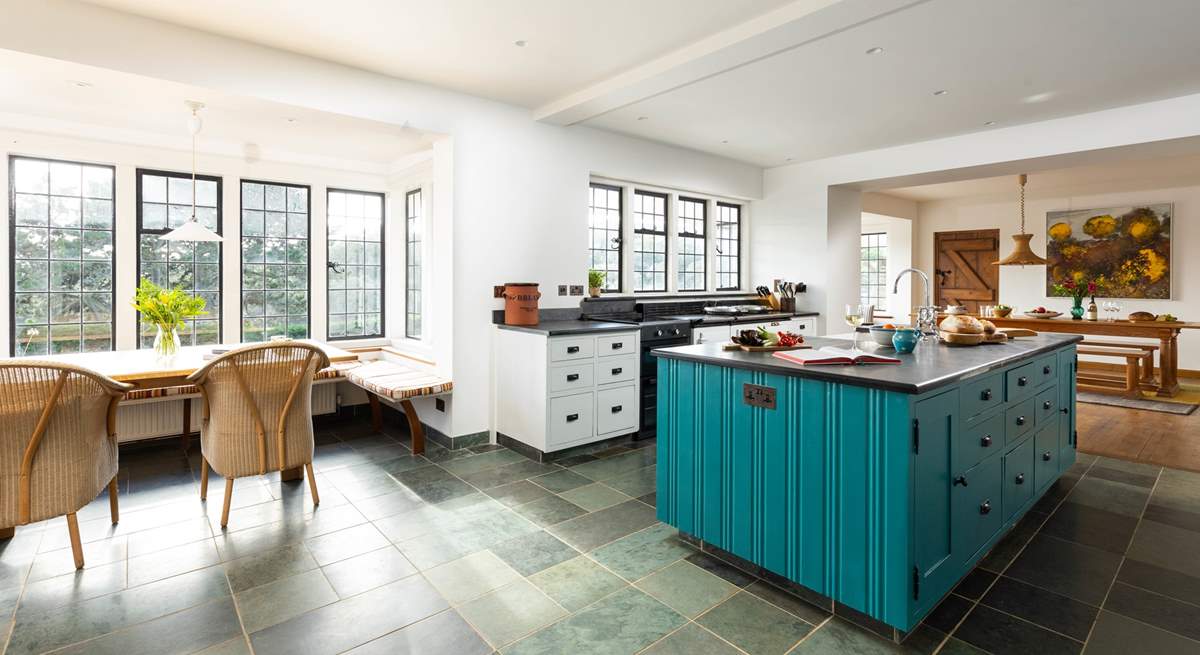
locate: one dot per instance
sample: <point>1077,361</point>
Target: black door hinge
<point>916,583</point>
<point>916,435</point>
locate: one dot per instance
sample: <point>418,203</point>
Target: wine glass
<point>854,318</point>
<point>1116,308</point>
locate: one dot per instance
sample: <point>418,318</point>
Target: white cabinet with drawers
<point>556,392</point>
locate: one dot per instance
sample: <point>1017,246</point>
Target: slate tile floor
<point>481,550</point>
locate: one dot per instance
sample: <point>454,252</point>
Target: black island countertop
<point>930,366</point>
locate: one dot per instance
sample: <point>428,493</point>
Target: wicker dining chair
<point>58,443</point>
<point>258,413</point>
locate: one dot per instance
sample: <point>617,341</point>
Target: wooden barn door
<point>963,269</point>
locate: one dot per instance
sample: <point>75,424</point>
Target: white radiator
<point>163,417</point>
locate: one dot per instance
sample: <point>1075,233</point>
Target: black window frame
<point>15,333</point>
<point>620,250</point>
<point>241,252</point>
<point>665,234</point>
<point>382,264</point>
<point>139,231</point>
<point>877,280</point>
<point>680,236</point>
<point>736,257</point>
<point>409,219</point>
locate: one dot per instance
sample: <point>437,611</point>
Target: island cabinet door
<point>1067,364</point>
<point>935,569</point>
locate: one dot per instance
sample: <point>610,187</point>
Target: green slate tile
<point>691,639</point>
<point>533,552</point>
<point>511,612</point>
<point>254,570</point>
<point>635,483</point>
<point>642,553</point>
<point>592,497</point>
<point>560,481</point>
<point>624,622</point>
<point>756,626</point>
<point>577,583</point>
<point>266,605</point>
<point>367,571</point>
<point>445,633</point>
<point>172,561</point>
<point>74,587</point>
<point>191,630</point>
<point>598,528</point>
<point>475,463</point>
<point>687,588</point>
<point>470,576</point>
<point>329,548</point>
<point>611,467</point>
<point>518,493</point>
<point>549,511</point>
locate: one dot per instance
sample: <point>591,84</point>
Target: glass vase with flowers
<point>1077,289</point>
<point>167,310</point>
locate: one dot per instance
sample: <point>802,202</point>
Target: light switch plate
<point>576,289</point>
<point>562,289</point>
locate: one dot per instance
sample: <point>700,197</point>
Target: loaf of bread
<point>1142,316</point>
<point>989,328</point>
<point>962,325</point>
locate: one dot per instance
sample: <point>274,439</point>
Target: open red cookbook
<point>831,355</point>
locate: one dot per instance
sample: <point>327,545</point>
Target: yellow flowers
<point>1156,264</point>
<point>1101,226</point>
<point>1060,231</point>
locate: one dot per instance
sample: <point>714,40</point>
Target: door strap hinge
<point>916,583</point>
<point>916,435</point>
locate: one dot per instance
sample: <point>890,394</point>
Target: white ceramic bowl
<point>882,335</point>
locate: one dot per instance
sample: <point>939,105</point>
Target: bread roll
<point>961,325</point>
<point>989,328</point>
<point>1142,316</point>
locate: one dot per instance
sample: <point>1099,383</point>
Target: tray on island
<point>764,349</point>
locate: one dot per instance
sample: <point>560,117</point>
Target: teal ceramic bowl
<point>904,340</point>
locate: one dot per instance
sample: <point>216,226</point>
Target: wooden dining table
<point>1166,332</point>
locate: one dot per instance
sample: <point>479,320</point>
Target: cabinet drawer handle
<point>617,371</point>
<point>1046,456</point>
<point>1022,381</point>
<point>618,345</point>
<point>572,417</point>
<point>571,377</point>
<point>571,350</point>
<point>986,441</point>
<point>800,326</point>
<point>1065,410</point>
<point>616,409</point>
<point>1020,420</point>
<point>962,479</point>
<point>985,507</point>
<point>1045,370</point>
<point>986,395</point>
<point>1020,478</point>
<point>1046,404</point>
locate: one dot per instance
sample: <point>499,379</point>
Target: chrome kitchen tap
<point>927,313</point>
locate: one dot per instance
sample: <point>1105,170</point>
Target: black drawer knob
<point>1020,420</point>
<point>800,326</point>
<point>961,480</point>
<point>571,377</point>
<point>985,507</point>
<point>1045,370</point>
<point>986,395</point>
<point>1065,410</point>
<point>1046,456</point>
<point>986,441</point>
<point>571,350</point>
<point>618,345</point>
<point>571,418</point>
<point>1022,381</point>
<point>1020,478</point>
<point>1046,404</point>
<point>616,409</point>
<point>616,371</point>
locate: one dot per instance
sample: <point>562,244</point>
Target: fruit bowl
<point>882,335</point>
<point>1002,311</point>
<point>1043,314</point>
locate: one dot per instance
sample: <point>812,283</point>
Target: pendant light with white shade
<point>192,230</point>
<point>1022,254</point>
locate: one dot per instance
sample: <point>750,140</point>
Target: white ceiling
<point>763,81</point>
<point>140,109</point>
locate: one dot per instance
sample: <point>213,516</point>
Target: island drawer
<point>1019,478</point>
<point>980,395</point>
<point>1045,455</point>
<point>564,349</point>
<point>571,377</point>
<point>1047,405</point>
<point>617,410</point>
<point>616,344</point>
<point>617,369</point>
<point>1046,369</point>
<point>570,418</point>
<point>1021,381</point>
<point>979,440</point>
<point>976,506</point>
<point>1019,419</point>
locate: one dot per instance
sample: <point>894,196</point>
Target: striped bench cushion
<point>335,371</point>
<point>398,380</point>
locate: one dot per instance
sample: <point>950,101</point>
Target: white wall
<point>899,233</point>
<point>1025,287</point>
<point>517,188</point>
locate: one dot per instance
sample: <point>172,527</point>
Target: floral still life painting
<point>1125,251</point>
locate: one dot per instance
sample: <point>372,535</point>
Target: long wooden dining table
<point>1166,332</point>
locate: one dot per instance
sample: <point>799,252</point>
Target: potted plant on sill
<point>595,282</point>
<point>166,310</point>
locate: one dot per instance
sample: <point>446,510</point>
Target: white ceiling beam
<point>788,27</point>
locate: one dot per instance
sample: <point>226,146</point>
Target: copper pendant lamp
<point>1022,254</point>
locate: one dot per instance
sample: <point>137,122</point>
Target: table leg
<point>7,533</point>
<point>1168,366</point>
<point>187,423</point>
<point>287,475</point>
<point>415,429</point>
<point>376,412</point>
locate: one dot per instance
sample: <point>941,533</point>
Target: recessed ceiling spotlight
<point>990,123</point>
<point>789,158</point>
<point>724,140</point>
<point>521,43</point>
<point>642,118</point>
<point>290,120</point>
<point>875,51</point>
<point>81,84</point>
<point>940,92</point>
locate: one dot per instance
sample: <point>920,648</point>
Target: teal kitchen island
<point>878,487</point>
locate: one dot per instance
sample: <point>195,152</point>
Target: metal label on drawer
<point>756,395</point>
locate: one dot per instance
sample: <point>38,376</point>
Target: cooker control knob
<point>677,332</point>
<point>658,333</point>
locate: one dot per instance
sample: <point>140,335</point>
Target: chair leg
<point>228,499</point>
<point>312,484</point>
<point>203,479</point>
<point>113,510</point>
<point>76,545</point>
<point>8,533</point>
<point>415,429</point>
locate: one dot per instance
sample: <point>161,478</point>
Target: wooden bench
<point>1139,368</point>
<point>398,378</point>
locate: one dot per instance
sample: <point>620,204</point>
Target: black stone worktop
<point>930,366</point>
<point>553,328</point>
